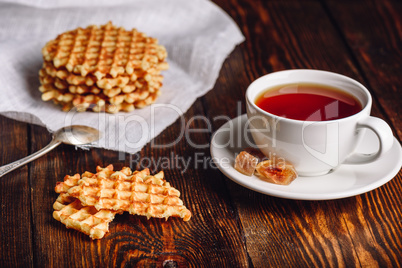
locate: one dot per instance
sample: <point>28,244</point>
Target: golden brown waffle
<point>69,181</point>
<point>92,98</point>
<point>152,74</point>
<point>87,219</point>
<point>56,83</point>
<point>136,192</point>
<point>104,50</point>
<point>102,68</point>
<point>128,102</point>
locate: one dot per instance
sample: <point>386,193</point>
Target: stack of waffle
<point>90,202</point>
<point>102,69</point>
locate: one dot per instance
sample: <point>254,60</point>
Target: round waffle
<point>102,66</point>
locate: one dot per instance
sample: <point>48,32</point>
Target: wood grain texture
<point>15,206</point>
<point>375,41</point>
<point>231,226</point>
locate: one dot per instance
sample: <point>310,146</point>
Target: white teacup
<point>315,147</point>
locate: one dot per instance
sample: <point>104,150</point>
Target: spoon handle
<point>9,167</point>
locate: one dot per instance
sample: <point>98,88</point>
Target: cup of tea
<point>313,119</point>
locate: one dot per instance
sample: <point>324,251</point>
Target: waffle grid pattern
<point>102,68</point>
<point>88,203</point>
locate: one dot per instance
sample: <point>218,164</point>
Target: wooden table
<point>231,225</point>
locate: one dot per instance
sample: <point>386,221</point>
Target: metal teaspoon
<point>73,135</point>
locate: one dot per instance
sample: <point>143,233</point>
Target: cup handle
<point>385,137</point>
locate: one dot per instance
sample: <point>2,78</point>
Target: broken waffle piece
<point>246,163</point>
<point>69,181</point>
<point>278,173</point>
<point>69,210</point>
<point>114,192</point>
<point>87,219</point>
<point>137,192</point>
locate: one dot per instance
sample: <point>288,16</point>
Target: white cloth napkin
<point>197,34</point>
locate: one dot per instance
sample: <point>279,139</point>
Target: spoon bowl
<point>77,135</point>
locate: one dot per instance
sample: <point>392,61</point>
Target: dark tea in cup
<point>326,117</point>
<point>308,102</point>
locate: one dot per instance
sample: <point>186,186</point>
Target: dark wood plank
<point>15,199</point>
<point>293,34</point>
<point>375,39</point>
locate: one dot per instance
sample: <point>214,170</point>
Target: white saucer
<point>346,181</point>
